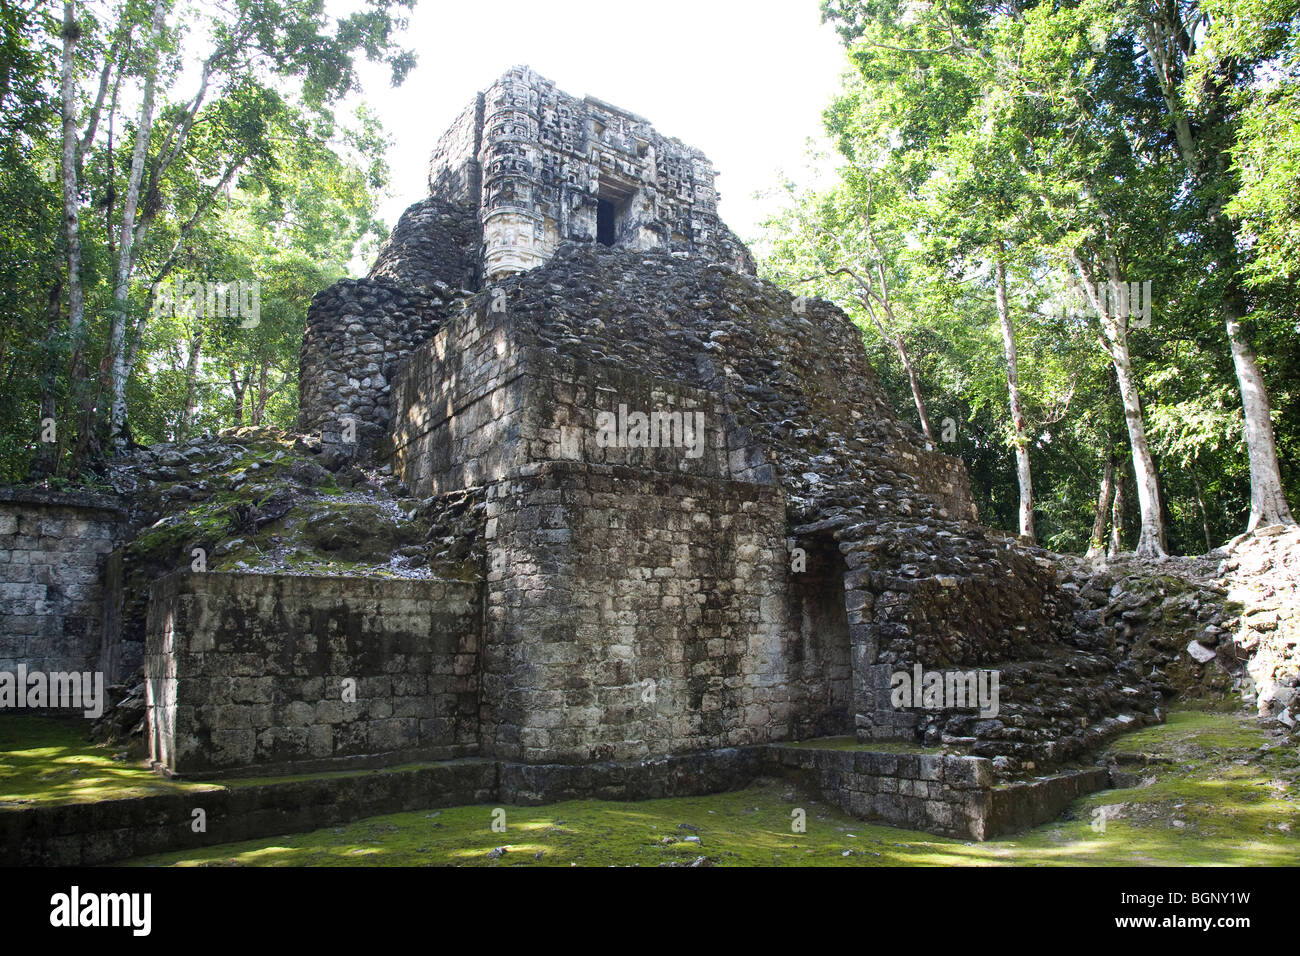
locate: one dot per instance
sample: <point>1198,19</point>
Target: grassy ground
<point>1212,796</point>
<point>47,760</point>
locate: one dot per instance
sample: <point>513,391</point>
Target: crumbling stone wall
<point>709,327</point>
<point>1222,628</point>
<point>432,250</point>
<point>482,400</point>
<point>979,601</point>
<point>358,332</point>
<point>523,169</point>
<point>54,547</point>
<point>600,277</point>
<point>248,671</point>
<point>921,582</point>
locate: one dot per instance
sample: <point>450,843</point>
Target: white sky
<point>746,82</point>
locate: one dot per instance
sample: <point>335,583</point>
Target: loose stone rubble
<point>1222,627</point>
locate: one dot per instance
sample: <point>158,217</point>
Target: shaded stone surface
<point>58,610</point>
<point>288,671</point>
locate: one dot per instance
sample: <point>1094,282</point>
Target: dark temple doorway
<point>818,646</point>
<point>605,222</point>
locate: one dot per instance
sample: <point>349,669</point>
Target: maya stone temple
<point>580,506</point>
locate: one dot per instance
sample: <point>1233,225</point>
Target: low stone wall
<point>941,476</point>
<point>252,671</point>
<point>1019,806</point>
<point>930,792</point>
<point>936,793</point>
<point>679,775</point>
<point>53,549</point>
<point>908,790</point>
<point>89,834</point>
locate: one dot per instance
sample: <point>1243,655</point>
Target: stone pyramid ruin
<point>569,268</point>
<point>603,513</point>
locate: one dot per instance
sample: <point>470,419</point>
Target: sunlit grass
<point>1220,801</point>
<point>47,760</point>
<point>1216,798</point>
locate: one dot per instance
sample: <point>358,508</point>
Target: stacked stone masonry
<point>56,612</point>
<point>757,580</point>
<point>255,671</point>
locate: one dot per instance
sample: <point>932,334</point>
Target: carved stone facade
<point>541,167</point>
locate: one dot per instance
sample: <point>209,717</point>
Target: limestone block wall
<point>457,404</point>
<point>937,793</point>
<point>248,671</point>
<point>931,792</point>
<point>571,396</point>
<point>831,436</point>
<point>454,173</point>
<point>53,551</point>
<point>631,615</point>
<point>481,400</point>
<point>942,477</point>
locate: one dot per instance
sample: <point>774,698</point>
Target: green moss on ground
<point>46,760</point>
<point>1219,800</point>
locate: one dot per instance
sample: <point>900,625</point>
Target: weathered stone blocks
<point>54,612</point>
<point>249,671</point>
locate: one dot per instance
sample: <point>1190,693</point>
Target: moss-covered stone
<point>1229,796</point>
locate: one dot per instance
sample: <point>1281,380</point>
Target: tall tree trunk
<point>1023,474</point>
<point>46,463</point>
<point>1170,41</point>
<point>259,405</point>
<point>71,204</point>
<point>1200,503</point>
<point>891,336</point>
<point>238,388</point>
<point>1100,516</point>
<point>79,387</point>
<point>1151,539</point>
<point>1268,504</point>
<point>870,296</point>
<point>1117,517</point>
<point>126,247</point>
<point>191,379</point>
<point>914,381</point>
